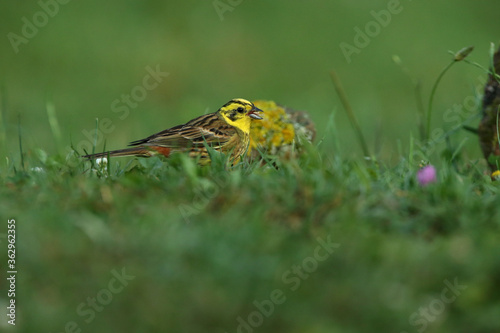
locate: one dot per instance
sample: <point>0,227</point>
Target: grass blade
<point>350,113</point>
<point>431,99</point>
<point>54,124</point>
<point>20,142</point>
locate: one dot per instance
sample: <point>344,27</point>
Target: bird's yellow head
<point>239,113</point>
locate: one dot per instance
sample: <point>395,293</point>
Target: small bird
<point>227,131</point>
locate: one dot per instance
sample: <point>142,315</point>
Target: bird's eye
<point>240,109</point>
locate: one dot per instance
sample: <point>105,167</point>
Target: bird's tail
<point>134,151</point>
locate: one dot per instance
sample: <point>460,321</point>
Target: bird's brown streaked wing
<point>207,128</point>
<point>165,133</point>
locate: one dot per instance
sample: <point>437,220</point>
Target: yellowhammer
<point>227,131</point>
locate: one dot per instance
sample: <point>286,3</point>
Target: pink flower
<point>426,175</point>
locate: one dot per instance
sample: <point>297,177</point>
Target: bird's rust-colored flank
<point>162,150</point>
<point>227,130</point>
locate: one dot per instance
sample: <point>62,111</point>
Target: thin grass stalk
<point>350,113</point>
<point>54,124</point>
<point>20,142</point>
<point>431,99</point>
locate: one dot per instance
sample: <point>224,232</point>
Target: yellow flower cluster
<point>274,131</point>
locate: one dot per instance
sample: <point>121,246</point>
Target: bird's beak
<point>253,113</point>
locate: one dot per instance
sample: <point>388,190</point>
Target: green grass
<point>200,247</point>
<point>242,248</point>
<point>204,243</point>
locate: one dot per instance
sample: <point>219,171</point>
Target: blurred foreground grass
<point>215,250</point>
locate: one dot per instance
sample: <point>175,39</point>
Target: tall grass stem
<point>54,124</point>
<point>20,142</point>
<point>431,99</point>
<point>350,113</point>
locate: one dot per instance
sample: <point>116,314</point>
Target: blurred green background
<point>399,242</point>
<point>91,53</point>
